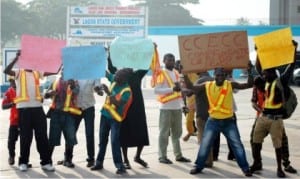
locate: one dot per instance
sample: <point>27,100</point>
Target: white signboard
<point>104,23</point>
<point>107,10</point>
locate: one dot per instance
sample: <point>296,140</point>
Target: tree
<point>169,12</point>
<point>243,21</point>
<point>14,18</point>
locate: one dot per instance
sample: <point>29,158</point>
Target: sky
<point>224,12</point>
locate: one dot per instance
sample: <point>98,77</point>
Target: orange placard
<point>275,48</point>
<point>207,51</point>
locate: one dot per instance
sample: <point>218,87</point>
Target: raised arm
<point>8,69</point>
<point>286,75</point>
<point>249,84</point>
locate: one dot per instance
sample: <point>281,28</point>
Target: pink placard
<point>40,53</point>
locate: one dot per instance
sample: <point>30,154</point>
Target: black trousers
<point>13,134</point>
<point>33,120</point>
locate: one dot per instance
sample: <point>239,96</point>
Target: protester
<point>220,98</point>
<point>114,111</point>
<point>202,112</point>
<point>272,113</point>
<point>86,102</point>
<point>170,119</point>
<point>257,103</point>
<point>32,118</point>
<point>63,111</point>
<point>189,108</point>
<point>134,130</point>
<point>13,132</point>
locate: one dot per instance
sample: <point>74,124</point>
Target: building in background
<point>284,12</point>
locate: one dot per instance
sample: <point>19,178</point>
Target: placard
<point>204,52</point>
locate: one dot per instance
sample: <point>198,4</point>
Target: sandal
<point>141,162</point>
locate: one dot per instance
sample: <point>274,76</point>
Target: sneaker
<point>121,171</point>
<point>48,167</point>
<point>290,169</point>
<point>183,159</point>
<point>23,167</point>
<point>165,160</point>
<point>11,160</point>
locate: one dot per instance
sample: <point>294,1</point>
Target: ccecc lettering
<point>213,41</point>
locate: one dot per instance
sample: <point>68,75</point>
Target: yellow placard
<point>275,48</point>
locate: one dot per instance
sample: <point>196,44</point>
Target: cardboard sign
<point>84,62</point>
<point>204,52</point>
<point>131,52</point>
<point>275,48</point>
<point>40,53</point>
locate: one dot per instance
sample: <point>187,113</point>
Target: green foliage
<point>169,12</point>
<point>48,17</point>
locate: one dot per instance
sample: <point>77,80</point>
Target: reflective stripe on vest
<point>269,98</point>
<point>68,107</point>
<point>23,87</point>
<point>170,96</point>
<point>111,108</point>
<point>218,105</point>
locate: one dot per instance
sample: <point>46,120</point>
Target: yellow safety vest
<point>269,96</point>
<point>23,96</point>
<point>68,105</point>
<point>111,108</point>
<point>220,102</point>
<point>170,96</point>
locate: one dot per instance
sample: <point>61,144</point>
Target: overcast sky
<point>225,12</point>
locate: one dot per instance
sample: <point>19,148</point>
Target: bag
<point>289,102</point>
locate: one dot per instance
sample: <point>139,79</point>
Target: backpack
<point>289,101</point>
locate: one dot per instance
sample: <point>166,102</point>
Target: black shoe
<point>121,171</point>
<point>90,163</point>
<point>165,161</point>
<point>141,162</point>
<point>248,173</point>
<point>183,159</point>
<point>280,174</point>
<point>256,167</point>
<point>195,170</point>
<point>97,167</point>
<point>11,160</point>
<point>69,164</point>
<point>231,157</point>
<point>127,165</point>
<point>290,169</point>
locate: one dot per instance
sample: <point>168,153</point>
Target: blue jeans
<point>89,121</point>
<point>229,128</point>
<point>107,124</point>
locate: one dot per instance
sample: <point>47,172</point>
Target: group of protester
<point>123,115</point>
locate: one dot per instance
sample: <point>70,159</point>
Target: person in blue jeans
<point>220,98</point>
<point>114,110</point>
<point>86,102</point>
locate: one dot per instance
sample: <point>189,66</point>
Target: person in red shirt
<point>13,133</point>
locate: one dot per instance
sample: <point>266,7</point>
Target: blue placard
<point>84,62</point>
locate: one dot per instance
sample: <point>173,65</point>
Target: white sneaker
<point>23,167</point>
<point>48,167</point>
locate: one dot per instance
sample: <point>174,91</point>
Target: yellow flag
<point>155,67</point>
